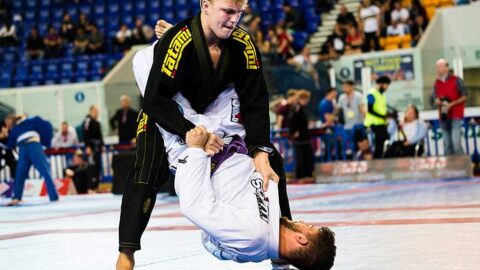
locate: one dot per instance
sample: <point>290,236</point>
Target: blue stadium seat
<point>31,4</point>
<point>51,79</point>
<point>21,71</point>
<point>95,77</point>
<point>65,79</point>
<point>128,19</point>
<point>73,11</point>
<point>44,14</point>
<point>36,80</point>
<point>99,10</point>
<point>81,66</point>
<point>36,68</point>
<point>44,3</point>
<point>141,6</point>
<point>80,78</point>
<point>57,14</point>
<point>5,82</point>
<point>97,64</point>
<point>127,7</point>
<point>51,67</point>
<point>66,66</point>
<point>113,8</point>
<point>168,15</point>
<point>167,4</point>
<point>85,8</point>
<point>9,57</point>
<point>30,15</point>
<point>19,82</point>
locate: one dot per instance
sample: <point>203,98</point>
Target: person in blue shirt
<point>29,134</point>
<point>327,105</point>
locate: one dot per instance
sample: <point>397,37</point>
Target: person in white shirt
<point>400,13</point>
<point>305,62</point>
<point>66,138</point>
<point>369,16</point>
<point>239,221</point>
<point>396,29</point>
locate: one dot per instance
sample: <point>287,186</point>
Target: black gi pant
<point>304,159</point>
<point>381,135</point>
<point>150,171</point>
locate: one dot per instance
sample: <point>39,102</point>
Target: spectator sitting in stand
<point>337,39</point>
<point>285,40</point>
<point>345,18</point>
<point>8,35</point>
<point>81,173</point>
<point>418,28</point>
<point>95,41</point>
<point>142,33</point>
<point>66,138</point>
<point>292,19</point>
<point>81,42</point>
<point>354,39</point>
<point>123,38</point>
<point>406,135</point>
<point>399,13</point>
<point>84,23</point>
<point>67,29</point>
<point>304,63</point>
<point>53,43</point>
<point>34,45</point>
<point>396,29</point>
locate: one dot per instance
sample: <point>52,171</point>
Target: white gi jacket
<point>239,221</point>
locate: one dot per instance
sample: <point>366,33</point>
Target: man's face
<point>383,86</point>
<point>347,88</point>
<point>94,112</point>
<point>124,104</point>
<point>442,69</point>
<point>64,128</point>
<point>222,16</point>
<point>299,226</point>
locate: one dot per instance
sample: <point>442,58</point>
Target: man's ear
<point>301,239</point>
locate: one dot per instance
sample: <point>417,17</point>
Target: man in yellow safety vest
<point>377,113</point>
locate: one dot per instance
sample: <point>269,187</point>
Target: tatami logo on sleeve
<point>250,53</point>
<point>175,50</point>
<point>142,124</point>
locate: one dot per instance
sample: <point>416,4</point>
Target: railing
<point>327,147</point>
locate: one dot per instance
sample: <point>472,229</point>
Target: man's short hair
<point>303,93</point>
<point>330,89</point>
<point>243,2</point>
<point>291,92</point>
<point>383,79</point>
<point>349,82</point>
<point>319,254</point>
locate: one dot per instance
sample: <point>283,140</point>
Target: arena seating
<point>16,71</point>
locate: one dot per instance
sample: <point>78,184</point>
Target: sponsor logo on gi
<point>235,118</point>
<point>175,50</point>
<point>142,124</point>
<point>262,201</point>
<point>249,52</point>
<point>146,205</point>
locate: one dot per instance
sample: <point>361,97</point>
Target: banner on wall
<point>397,67</point>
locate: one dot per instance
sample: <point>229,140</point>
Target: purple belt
<point>233,144</point>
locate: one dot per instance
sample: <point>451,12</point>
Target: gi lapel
<point>212,80</point>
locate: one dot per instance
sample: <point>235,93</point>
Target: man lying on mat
<point>224,197</point>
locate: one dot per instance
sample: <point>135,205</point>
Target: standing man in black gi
<point>199,57</point>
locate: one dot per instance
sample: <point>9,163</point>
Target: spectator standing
<point>35,45</point>
<point>53,43</point>
<point>125,121</point>
<point>377,114</point>
<point>345,17</point>
<point>285,50</point>
<point>7,154</point>
<point>326,107</point>
<point>67,29</point>
<point>292,19</point>
<point>300,136</point>
<point>80,42</point>
<point>337,39</point>
<point>351,105</point>
<point>66,137</point>
<point>450,94</point>
<point>369,16</point>
<point>92,132</point>
<point>282,111</point>
<point>95,41</point>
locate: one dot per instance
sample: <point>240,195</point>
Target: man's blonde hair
<point>244,3</point>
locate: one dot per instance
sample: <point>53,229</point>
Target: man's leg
<point>447,137</point>
<point>149,172</point>
<point>40,162</point>
<point>381,135</point>
<point>21,174</point>
<point>457,137</point>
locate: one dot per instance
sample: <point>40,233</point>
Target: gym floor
<point>379,226</point>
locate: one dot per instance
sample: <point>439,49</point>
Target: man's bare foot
<point>126,260</point>
<point>14,202</point>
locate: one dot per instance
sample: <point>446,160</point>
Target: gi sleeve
<point>199,204</point>
<point>253,94</point>
<point>158,102</point>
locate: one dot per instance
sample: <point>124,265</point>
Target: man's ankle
<point>126,260</point>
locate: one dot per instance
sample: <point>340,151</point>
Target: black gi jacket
<point>177,68</point>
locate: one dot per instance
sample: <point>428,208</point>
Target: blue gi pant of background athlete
<point>32,154</point>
